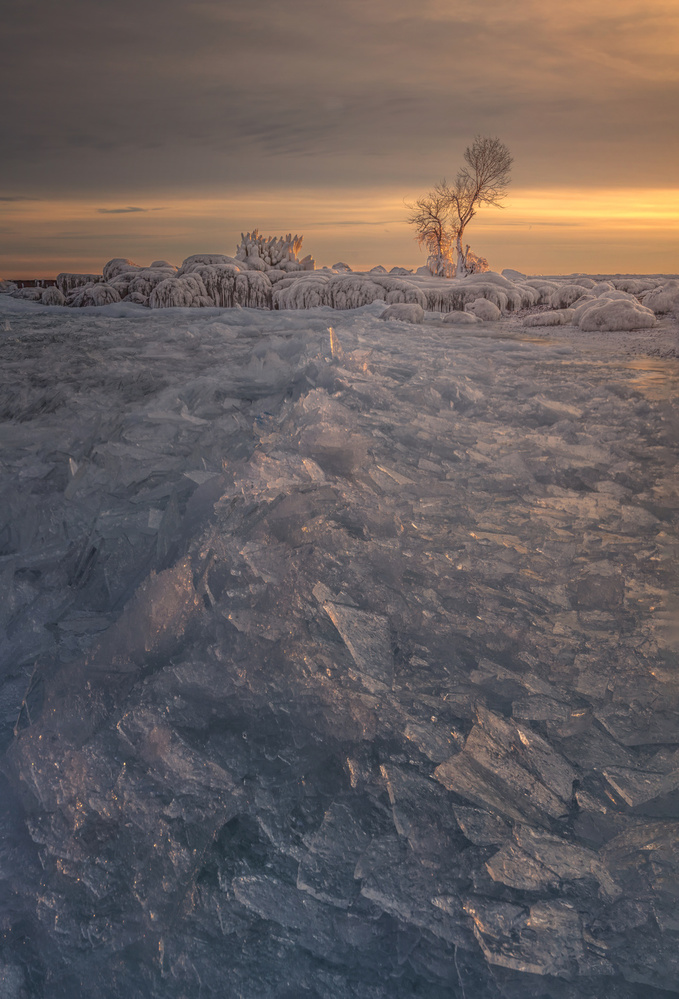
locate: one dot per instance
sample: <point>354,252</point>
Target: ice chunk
<point>481,828</point>
<point>367,636</point>
<point>559,317</point>
<point>327,870</point>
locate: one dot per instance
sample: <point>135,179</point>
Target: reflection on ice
<point>335,672</point>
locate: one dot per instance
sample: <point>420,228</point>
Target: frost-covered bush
<point>565,294</point>
<point>378,269</point>
<point>399,290</point>
<point>118,266</point>
<point>616,314</point>
<point>512,275</point>
<point>136,298</point>
<point>52,296</point>
<point>476,264</point>
<point>485,310</point>
<point>8,287</point>
<point>198,260</point>
<point>179,292</point>
<point>271,251</point>
<point>163,263</point>
<point>218,280</point>
<point>145,279</point>
<point>92,294</point>
<point>351,291</point>
<point>543,288</point>
<point>560,317</point>
<point>342,268</point>
<point>400,270</point>
<point>405,313</point>
<point>28,294</point>
<point>664,298</point>
<point>461,319</point>
<point>67,282</point>
<point>308,292</point>
<point>252,290</point>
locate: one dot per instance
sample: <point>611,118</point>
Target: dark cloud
<point>125,211</point>
<point>178,95</point>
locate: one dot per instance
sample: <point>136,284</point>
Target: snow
<point>339,661</point>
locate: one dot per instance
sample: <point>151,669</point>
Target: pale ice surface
<point>336,671</point>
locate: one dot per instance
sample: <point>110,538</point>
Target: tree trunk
<point>461,265</point>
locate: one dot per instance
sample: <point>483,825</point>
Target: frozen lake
<point>335,677</point>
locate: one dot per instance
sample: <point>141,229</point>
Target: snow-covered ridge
<point>266,273</point>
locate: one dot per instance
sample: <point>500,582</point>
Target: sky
<point>154,129</point>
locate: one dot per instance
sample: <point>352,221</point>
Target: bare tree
<point>429,216</point>
<point>442,216</point>
<point>483,181</point>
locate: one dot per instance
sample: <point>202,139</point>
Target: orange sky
<point>538,231</point>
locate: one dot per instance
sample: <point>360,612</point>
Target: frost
<point>461,319</point>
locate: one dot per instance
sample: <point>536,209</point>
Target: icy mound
<point>404,313</point>
<point>560,317</point>
<point>485,310</point>
<point>664,298</point>
<point>564,295</point>
<point>615,314</point>
<point>460,319</point>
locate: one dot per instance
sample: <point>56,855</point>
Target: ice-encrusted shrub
<point>218,280</point>
<point>565,294</point>
<point>664,298</point>
<point>179,292</point>
<point>252,290</point>
<point>404,312</point>
<point>476,264</point>
<point>136,298</point>
<point>146,278</point>
<point>198,260</point>
<point>342,267</point>
<point>92,294</point>
<point>560,317</point>
<point>8,287</point>
<point>66,282</point>
<point>543,288</point>
<point>272,251</point>
<point>400,290</point>
<point>53,296</point>
<point>118,266</point>
<point>308,292</point>
<point>28,294</point>
<point>351,291</point>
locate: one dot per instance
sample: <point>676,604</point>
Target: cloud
<point>126,211</point>
<point>120,211</point>
<point>17,197</point>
